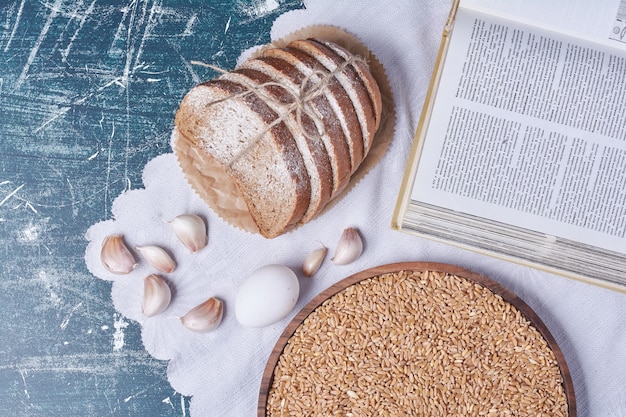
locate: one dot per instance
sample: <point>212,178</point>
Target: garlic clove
<point>191,231</point>
<point>115,255</point>
<point>349,247</point>
<point>157,257</point>
<point>204,317</point>
<point>313,261</point>
<point>156,295</point>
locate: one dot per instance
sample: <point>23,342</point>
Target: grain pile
<point>417,344</point>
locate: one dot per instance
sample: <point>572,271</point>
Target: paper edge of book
<point>409,174</point>
<point>408,178</point>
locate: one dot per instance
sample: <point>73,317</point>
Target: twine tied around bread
<point>313,85</point>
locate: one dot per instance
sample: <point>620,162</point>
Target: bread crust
<point>350,80</point>
<point>328,123</point>
<point>366,76</point>
<point>343,108</point>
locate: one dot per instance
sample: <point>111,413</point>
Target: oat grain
<point>417,344</point>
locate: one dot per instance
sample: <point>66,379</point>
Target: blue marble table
<point>88,90</point>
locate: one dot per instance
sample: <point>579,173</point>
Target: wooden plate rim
<point>495,287</point>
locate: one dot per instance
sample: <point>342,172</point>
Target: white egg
<point>266,296</point>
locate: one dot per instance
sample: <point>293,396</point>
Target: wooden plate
<point>493,286</point>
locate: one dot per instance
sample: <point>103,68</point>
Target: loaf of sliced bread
<point>289,127</point>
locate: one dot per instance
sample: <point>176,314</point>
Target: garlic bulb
<point>191,231</point>
<point>115,255</point>
<point>157,257</point>
<point>204,317</point>
<point>313,262</point>
<point>349,247</point>
<point>156,295</point>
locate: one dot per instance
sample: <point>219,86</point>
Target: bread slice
<point>349,80</point>
<point>366,76</point>
<point>302,128</point>
<point>235,127</point>
<point>300,66</point>
<point>283,67</point>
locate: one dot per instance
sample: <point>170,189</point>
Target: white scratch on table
<point>118,336</point>
<point>42,35</point>
<point>167,400</point>
<point>71,15</point>
<point>25,203</point>
<point>93,156</point>
<point>73,198</point>
<point>147,31</point>
<point>30,206</point>
<point>108,170</point>
<point>130,51</point>
<point>126,10</point>
<point>130,48</point>
<point>65,53</point>
<point>11,194</point>
<point>189,67</point>
<point>188,28</point>
<point>227,24</point>
<point>23,375</point>
<point>68,317</point>
<point>15,25</point>
<point>108,402</point>
<point>120,27</point>
<point>130,397</point>
<point>144,70</point>
<point>62,111</point>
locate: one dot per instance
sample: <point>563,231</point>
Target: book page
<point>529,128</point>
<point>602,21</point>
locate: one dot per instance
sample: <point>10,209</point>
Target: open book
<point>521,147</point>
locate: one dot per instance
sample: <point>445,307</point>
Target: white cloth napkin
<point>222,369</point>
